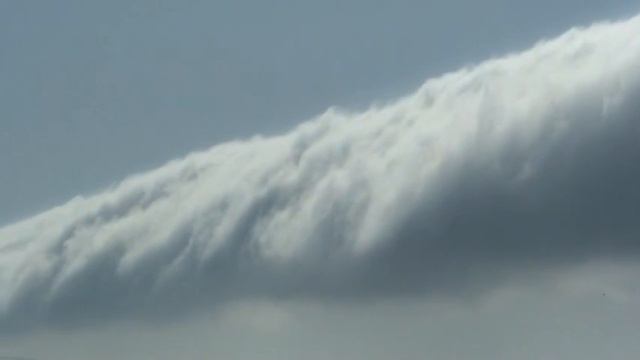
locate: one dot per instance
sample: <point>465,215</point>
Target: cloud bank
<point>530,161</point>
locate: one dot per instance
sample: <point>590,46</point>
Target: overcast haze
<point>347,180</point>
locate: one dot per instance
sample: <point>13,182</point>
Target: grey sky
<point>93,91</point>
<point>520,323</point>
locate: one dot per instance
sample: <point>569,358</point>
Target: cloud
<point>521,163</point>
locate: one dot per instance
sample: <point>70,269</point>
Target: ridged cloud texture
<point>530,161</point>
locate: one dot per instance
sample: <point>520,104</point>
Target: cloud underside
<point>523,163</point>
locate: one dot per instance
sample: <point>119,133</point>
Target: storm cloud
<point>522,163</point>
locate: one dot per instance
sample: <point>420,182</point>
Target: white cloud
<point>520,162</point>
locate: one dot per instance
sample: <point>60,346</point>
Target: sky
<point>348,180</point>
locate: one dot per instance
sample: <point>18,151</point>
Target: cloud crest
<point>530,160</point>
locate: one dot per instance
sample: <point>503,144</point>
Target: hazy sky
<point>93,91</point>
<point>487,213</point>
